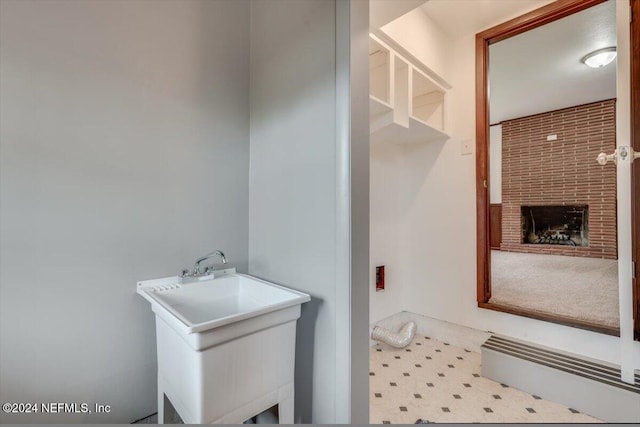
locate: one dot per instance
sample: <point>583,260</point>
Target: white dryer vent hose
<point>398,339</point>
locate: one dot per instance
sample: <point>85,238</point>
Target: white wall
<point>295,180</point>
<point>440,279</point>
<point>395,177</point>
<point>495,164</point>
<point>387,229</point>
<point>352,146</point>
<point>124,134</point>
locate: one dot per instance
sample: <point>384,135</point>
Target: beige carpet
<point>580,288</point>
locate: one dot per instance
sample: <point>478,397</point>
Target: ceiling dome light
<point>600,58</point>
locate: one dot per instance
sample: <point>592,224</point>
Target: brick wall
<point>562,172</point>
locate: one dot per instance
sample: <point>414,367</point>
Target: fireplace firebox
<point>555,225</point>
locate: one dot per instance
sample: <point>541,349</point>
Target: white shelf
<point>377,107</point>
<point>379,71</point>
<point>406,105</point>
<point>427,100</point>
<point>417,132</point>
<point>380,114</point>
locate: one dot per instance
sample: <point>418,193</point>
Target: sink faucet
<point>196,266</point>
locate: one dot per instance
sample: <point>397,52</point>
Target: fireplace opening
<point>555,225</point>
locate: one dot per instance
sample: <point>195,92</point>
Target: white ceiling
<point>539,70</point>
<point>381,12</point>
<point>458,18</point>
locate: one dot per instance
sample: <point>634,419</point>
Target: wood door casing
<point>536,18</point>
<point>635,169</point>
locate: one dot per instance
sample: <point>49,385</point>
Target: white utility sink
<point>226,345</point>
<point>206,304</point>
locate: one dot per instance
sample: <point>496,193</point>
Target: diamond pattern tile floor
<point>434,381</point>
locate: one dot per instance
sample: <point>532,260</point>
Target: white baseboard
<point>448,332</point>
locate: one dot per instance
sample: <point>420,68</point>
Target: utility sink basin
<point>225,346</point>
<point>206,304</point>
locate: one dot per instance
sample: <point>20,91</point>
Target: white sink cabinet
<point>226,346</point>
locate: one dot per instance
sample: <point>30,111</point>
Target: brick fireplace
<point>555,225</point>
<point>555,198</point>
